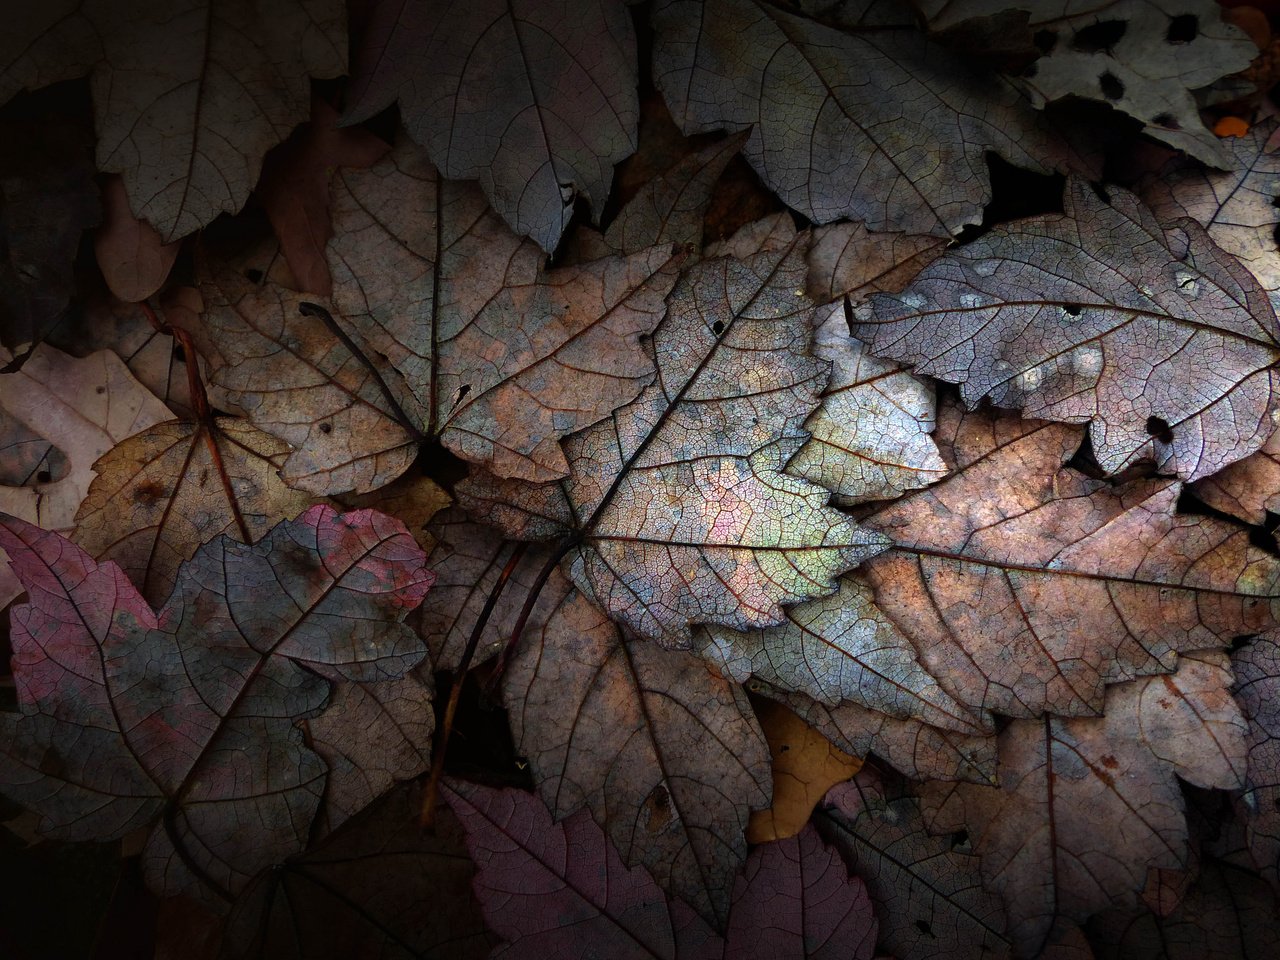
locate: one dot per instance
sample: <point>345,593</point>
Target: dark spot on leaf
<point>326,428</point>
<point>658,806</point>
<point>1111,86</point>
<point>1166,120</point>
<point>784,748</point>
<point>1072,308</point>
<point>179,354</point>
<point>959,839</point>
<point>1099,37</point>
<point>1045,41</point>
<point>1159,428</point>
<point>718,327</point>
<point>1110,762</point>
<point>44,476</point>
<point>101,390</point>
<point>924,927</point>
<point>149,493</point>
<point>254,275</point>
<point>1183,28</point>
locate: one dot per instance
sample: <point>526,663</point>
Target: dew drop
<point>971,301</point>
<point>1188,285</point>
<point>1088,361</point>
<point>914,300</point>
<point>1029,379</point>
<point>985,268</point>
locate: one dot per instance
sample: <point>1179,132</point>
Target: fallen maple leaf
<point>667,756</point>
<point>927,889</point>
<point>444,325</point>
<point>537,101</point>
<point>187,101</point>
<point>677,508</point>
<point>1037,315</point>
<point>837,117</point>
<point>129,717</point>
<point>559,890</point>
<point>1097,799</point>
<point>1026,586</point>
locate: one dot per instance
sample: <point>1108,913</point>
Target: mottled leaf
<point>82,408</point>
<point>1140,58</point>
<point>1257,689</point>
<point>1098,315</point>
<point>666,756</point>
<point>848,259</point>
<point>185,716</point>
<point>1087,806</point>
<point>678,506</point>
<point>879,126</point>
<point>537,101</point>
<point>134,260</point>
<point>379,887</point>
<point>560,891</point>
<point>48,198</point>
<point>927,889</point>
<point>187,100</point>
<point>805,766</point>
<point>445,324</point>
<point>1027,586</point>
<point>160,494</point>
<point>294,189</point>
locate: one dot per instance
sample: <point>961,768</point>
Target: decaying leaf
<point>133,258</point>
<point>666,756</point>
<point>805,766</point>
<point>294,189</point>
<point>927,889</point>
<point>560,891</point>
<point>678,507</point>
<point>1087,806</point>
<point>1141,58</point>
<point>445,324</point>
<point>48,198</point>
<point>847,259</point>
<point>1027,586</point>
<point>129,717</point>
<point>187,101</point>
<point>537,101</point>
<point>871,126</point>
<point>81,408</point>
<point>1257,689</point>
<point>379,887</point>
<point>1039,315</point>
<point>160,494</point>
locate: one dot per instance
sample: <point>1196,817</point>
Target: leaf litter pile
<point>682,479</point>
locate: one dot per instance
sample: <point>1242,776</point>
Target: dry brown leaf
<point>1087,806</point>
<point>444,324</point>
<point>294,189</point>
<point>805,766</point>
<point>133,258</point>
<point>1026,586</point>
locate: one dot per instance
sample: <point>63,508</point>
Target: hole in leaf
<point>1111,86</point>
<point>1183,28</point>
<point>179,354</point>
<point>1072,308</point>
<point>1166,120</point>
<point>1045,41</point>
<point>1099,37</point>
<point>326,428</point>
<point>924,927</point>
<point>1275,201</point>
<point>44,476</point>
<point>1159,428</point>
<point>784,748</point>
<point>959,839</point>
<point>718,327</point>
<point>254,275</point>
